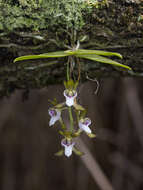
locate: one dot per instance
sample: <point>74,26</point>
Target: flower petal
<point>84,128</point>
<point>52,121</point>
<point>84,123</point>
<point>54,117</point>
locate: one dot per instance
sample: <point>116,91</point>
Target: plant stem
<point>73,27</point>
<point>69,108</point>
<point>62,124</point>
<point>79,70</point>
<point>68,77</point>
<point>71,119</point>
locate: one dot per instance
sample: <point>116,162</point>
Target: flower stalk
<point>82,122</point>
<point>71,119</point>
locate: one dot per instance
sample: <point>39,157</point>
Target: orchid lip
<point>70,97</point>
<point>68,145</point>
<point>65,142</point>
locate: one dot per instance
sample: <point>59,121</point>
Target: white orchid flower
<point>70,97</point>
<point>55,116</point>
<point>68,145</point>
<point>84,123</point>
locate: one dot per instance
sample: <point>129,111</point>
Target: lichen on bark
<point>41,14</point>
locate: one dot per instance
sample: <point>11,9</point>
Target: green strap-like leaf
<point>40,66</point>
<point>97,52</point>
<point>103,60</point>
<point>42,56</point>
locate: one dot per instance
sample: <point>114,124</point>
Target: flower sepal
<point>91,135</point>
<point>78,107</point>
<point>60,106</point>
<point>53,102</point>
<point>84,124</point>
<point>77,152</point>
<point>70,84</point>
<point>66,134</point>
<point>76,134</point>
<point>59,153</point>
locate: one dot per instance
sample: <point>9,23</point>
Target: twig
<point>94,168</point>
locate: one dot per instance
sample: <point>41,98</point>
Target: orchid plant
<point>81,123</point>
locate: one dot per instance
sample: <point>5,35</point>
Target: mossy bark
<point>40,26</point>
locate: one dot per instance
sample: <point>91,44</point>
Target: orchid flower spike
<point>55,116</point>
<point>84,123</point>
<point>68,145</point>
<point>70,96</point>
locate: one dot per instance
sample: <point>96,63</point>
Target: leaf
<point>71,52</point>
<point>42,56</point>
<point>97,52</point>
<point>101,59</point>
<point>40,66</point>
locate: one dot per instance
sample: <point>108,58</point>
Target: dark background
<point>28,144</point>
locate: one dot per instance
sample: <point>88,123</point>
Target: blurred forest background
<point>28,144</point>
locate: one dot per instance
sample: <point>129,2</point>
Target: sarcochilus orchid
<point>77,120</point>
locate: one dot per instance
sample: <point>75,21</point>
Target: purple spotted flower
<point>55,116</point>
<point>70,96</point>
<point>68,145</point>
<point>84,123</point>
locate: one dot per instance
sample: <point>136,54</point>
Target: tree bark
<point>26,28</point>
